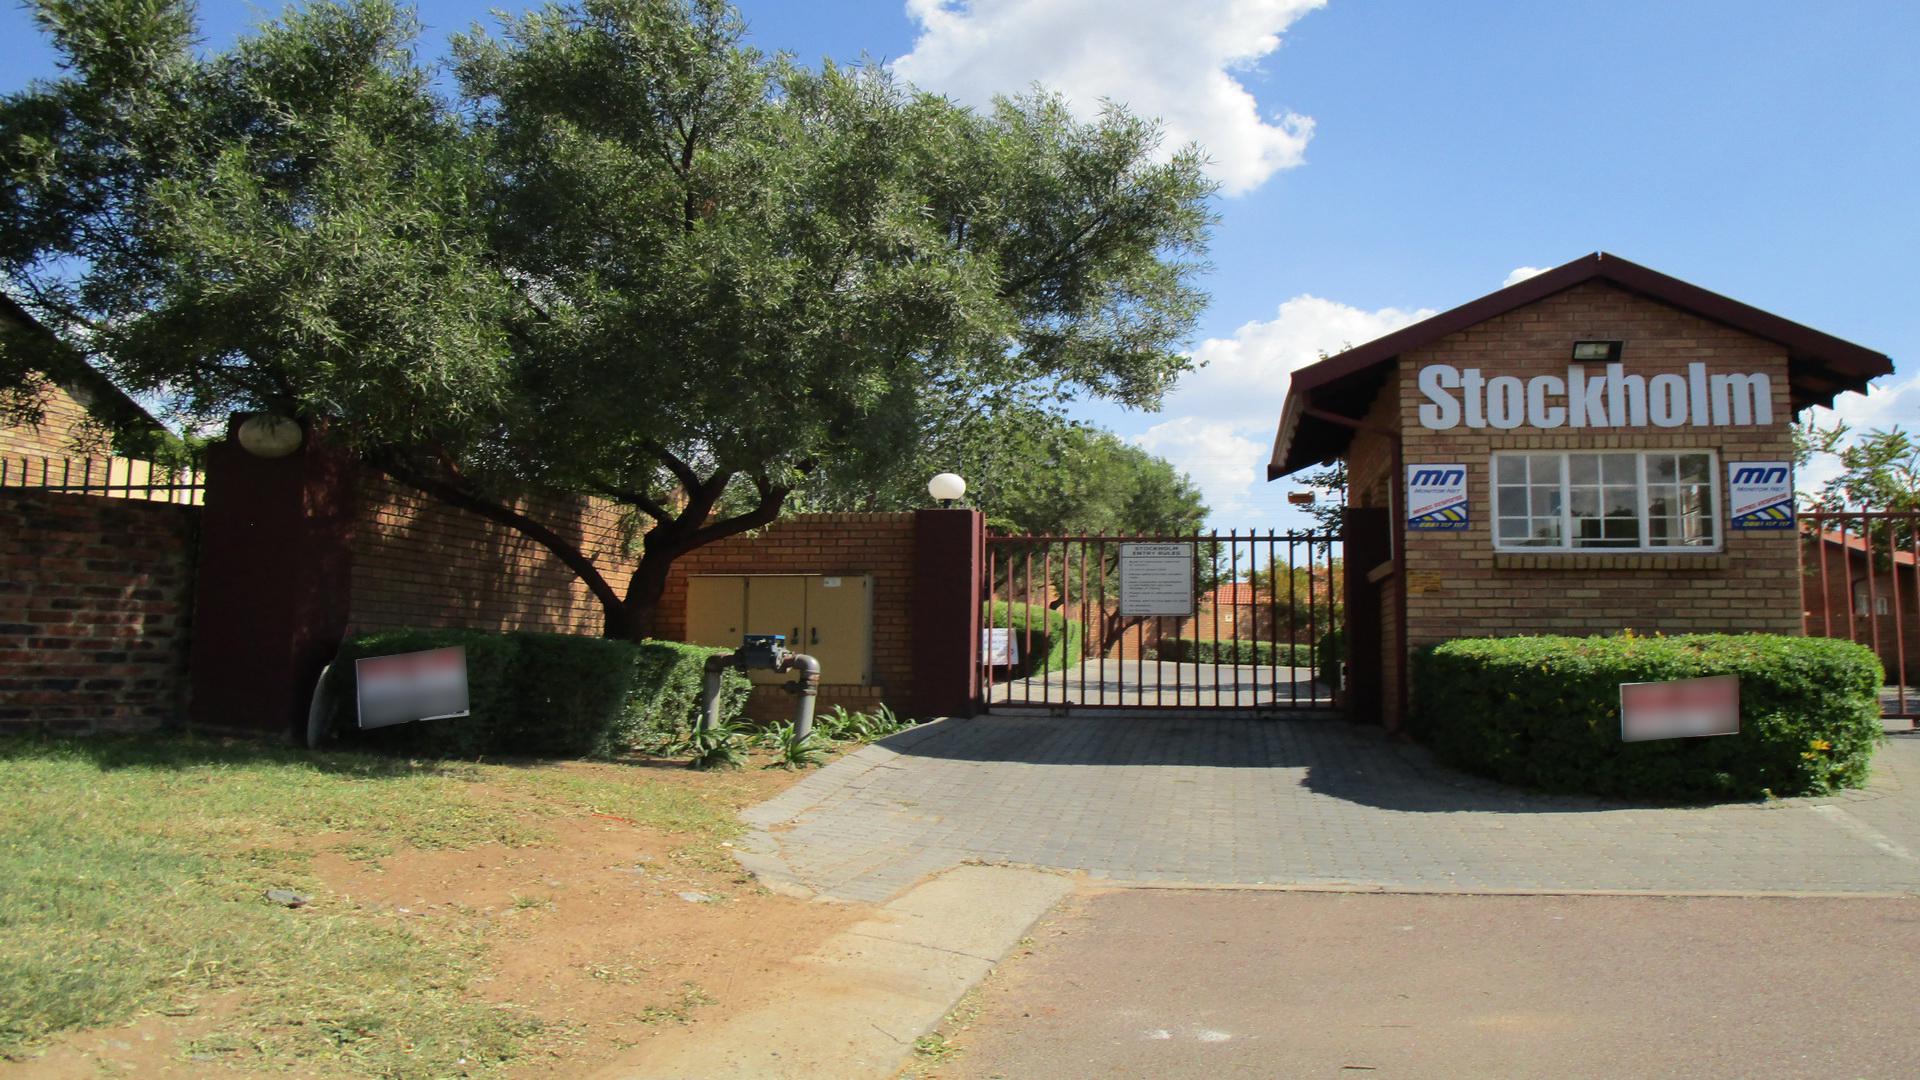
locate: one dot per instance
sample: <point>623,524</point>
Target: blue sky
<point>1384,158</point>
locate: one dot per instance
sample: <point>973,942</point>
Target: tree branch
<point>565,550</point>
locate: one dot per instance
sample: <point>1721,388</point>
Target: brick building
<point>1596,448</point>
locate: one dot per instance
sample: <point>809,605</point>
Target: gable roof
<point>1819,366</point>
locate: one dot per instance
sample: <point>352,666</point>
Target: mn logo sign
<point>1760,494</point>
<point>1437,497</point>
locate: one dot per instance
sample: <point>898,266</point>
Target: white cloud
<point>1222,461</point>
<point>1889,404</point>
<point>1522,273</point>
<point>1220,419</point>
<point>1174,61</point>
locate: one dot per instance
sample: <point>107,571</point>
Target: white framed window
<point>1606,500</point>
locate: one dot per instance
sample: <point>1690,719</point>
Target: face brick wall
<point>63,430</point>
<point>833,544</point>
<point>94,606</point>
<point>1458,586</point>
<point>419,562</point>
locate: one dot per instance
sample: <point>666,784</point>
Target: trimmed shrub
<point>1331,651</point>
<point>1057,641</point>
<point>1545,712</point>
<point>672,672</point>
<point>1206,651</point>
<point>541,695</point>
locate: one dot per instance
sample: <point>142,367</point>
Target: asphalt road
<point>1163,983</point>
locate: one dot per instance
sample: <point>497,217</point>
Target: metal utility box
<point>827,616</point>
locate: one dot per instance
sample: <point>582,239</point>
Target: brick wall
<point>833,544</point>
<point>1458,586</point>
<point>419,562</point>
<point>94,611</point>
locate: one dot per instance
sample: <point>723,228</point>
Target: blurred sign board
<point>1683,709</point>
<point>1156,579</point>
<point>404,687</point>
<point>998,648</point>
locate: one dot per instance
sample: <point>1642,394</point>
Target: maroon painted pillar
<point>947,556</point>
<point>272,589</point>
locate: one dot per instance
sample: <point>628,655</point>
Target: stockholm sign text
<point>1156,579</point>
<point>1587,399</point>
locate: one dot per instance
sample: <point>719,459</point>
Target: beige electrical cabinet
<point>829,617</point>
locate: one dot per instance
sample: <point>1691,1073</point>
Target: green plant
<point>795,752</point>
<point>1544,712</point>
<point>840,725</point>
<point>1047,640</point>
<point>722,746</point>
<point>1331,652</point>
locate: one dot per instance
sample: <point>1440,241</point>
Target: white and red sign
<point>1683,709</point>
<point>404,687</point>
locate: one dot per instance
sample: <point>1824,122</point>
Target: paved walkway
<point>1295,802</point>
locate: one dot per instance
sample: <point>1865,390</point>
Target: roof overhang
<point>1820,366</point>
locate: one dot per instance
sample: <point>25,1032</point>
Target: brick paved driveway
<point>1238,801</point>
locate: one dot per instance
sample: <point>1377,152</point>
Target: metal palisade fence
<point>1243,621</point>
<point>1860,580</point>
<point>110,476</point>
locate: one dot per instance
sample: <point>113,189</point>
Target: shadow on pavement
<point>1338,759</point>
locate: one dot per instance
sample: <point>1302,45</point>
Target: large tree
<point>630,257</point>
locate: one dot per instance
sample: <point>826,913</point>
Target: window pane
<point>1546,502</point>
<point>1618,468</point>
<point>1544,468</point>
<point>1696,468</point>
<point>1511,469</point>
<point>1622,502</point>
<point>1512,501</point>
<point>1662,469</point>
<point>1585,502</point>
<point>1583,468</point>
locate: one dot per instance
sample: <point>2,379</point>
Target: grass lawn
<point>461,915</point>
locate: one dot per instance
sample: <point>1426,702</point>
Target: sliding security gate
<point>1246,622</point>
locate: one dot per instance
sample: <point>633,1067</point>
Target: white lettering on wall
<point>1582,400</point>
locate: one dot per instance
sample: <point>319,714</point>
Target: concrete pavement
<point>1209,800</point>
<point>1169,983</point>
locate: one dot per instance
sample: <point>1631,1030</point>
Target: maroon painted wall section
<point>274,586</point>
<point>947,558</point>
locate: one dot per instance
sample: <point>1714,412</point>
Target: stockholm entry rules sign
<point>1156,579</point>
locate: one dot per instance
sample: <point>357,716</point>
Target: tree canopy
<point>623,255</point>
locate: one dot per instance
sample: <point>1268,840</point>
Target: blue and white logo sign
<point>1437,497</point>
<point>1760,494</point>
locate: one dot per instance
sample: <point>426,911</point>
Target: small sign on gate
<point>1156,579</point>
<point>998,648</point>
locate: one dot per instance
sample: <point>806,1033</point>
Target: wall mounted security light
<point>1599,352</point>
<point>947,487</point>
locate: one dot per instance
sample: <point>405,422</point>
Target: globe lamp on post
<point>947,488</point>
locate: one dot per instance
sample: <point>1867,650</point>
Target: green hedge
<point>541,695</point>
<point>1057,642</point>
<point>1544,712</point>
<point>1331,651</point>
<point>1206,651</point>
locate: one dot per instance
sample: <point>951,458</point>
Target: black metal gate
<point>1067,622</point>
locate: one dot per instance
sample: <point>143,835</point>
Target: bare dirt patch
<point>614,911</point>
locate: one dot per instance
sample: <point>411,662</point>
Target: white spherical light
<point>947,487</point>
<point>268,436</point>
